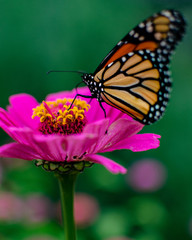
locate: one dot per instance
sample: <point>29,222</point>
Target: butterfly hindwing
<point>160,32</point>
<point>138,84</point>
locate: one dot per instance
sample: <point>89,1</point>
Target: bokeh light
<point>37,208</point>
<point>86,209</point>
<point>11,207</point>
<point>146,175</point>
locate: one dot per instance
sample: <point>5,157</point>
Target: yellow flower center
<point>61,117</point>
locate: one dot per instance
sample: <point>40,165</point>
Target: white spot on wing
<point>119,43</point>
<point>166,13</point>
<point>123,59</point>
<point>142,25</point>
<point>141,38</point>
<point>136,35</point>
<point>141,52</point>
<point>109,65</point>
<point>149,29</point>
<point>130,54</point>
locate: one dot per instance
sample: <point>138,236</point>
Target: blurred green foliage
<point>38,36</point>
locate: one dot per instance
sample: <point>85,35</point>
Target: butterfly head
<point>88,79</point>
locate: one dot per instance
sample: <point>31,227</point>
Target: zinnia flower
<point>54,133</point>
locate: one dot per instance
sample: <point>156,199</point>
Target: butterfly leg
<point>103,109</point>
<point>104,114</point>
<point>90,100</point>
<point>79,95</point>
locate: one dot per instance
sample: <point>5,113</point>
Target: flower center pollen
<point>61,117</point>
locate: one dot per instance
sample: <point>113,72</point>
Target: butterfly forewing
<point>138,84</point>
<point>160,32</point>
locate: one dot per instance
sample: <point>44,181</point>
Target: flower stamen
<point>48,109</point>
<point>61,117</point>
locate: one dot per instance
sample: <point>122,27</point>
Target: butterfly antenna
<point>51,71</point>
<point>78,85</point>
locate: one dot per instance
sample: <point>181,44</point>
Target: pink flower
<point>146,175</point>
<point>37,208</point>
<point>54,136</point>
<point>10,207</point>
<point>86,209</point>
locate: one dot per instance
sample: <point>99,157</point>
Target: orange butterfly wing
<point>134,76</point>
<point>160,32</point>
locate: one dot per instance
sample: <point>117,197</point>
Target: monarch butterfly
<point>134,77</point>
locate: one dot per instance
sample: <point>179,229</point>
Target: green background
<point>37,36</point>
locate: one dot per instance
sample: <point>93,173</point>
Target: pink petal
<point>119,130</point>
<point>137,143</point>
<point>6,123</point>
<point>49,147</point>
<point>78,145</point>
<point>5,118</point>
<point>8,130</point>
<point>95,112</point>
<point>99,128</point>
<point>62,148</point>
<point>55,147</point>
<point>16,150</point>
<point>21,135</point>
<point>21,109</point>
<point>107,163</point>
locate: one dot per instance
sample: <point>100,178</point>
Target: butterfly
<point>134,77</point>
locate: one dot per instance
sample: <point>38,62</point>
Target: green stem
<point>67,186</point>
